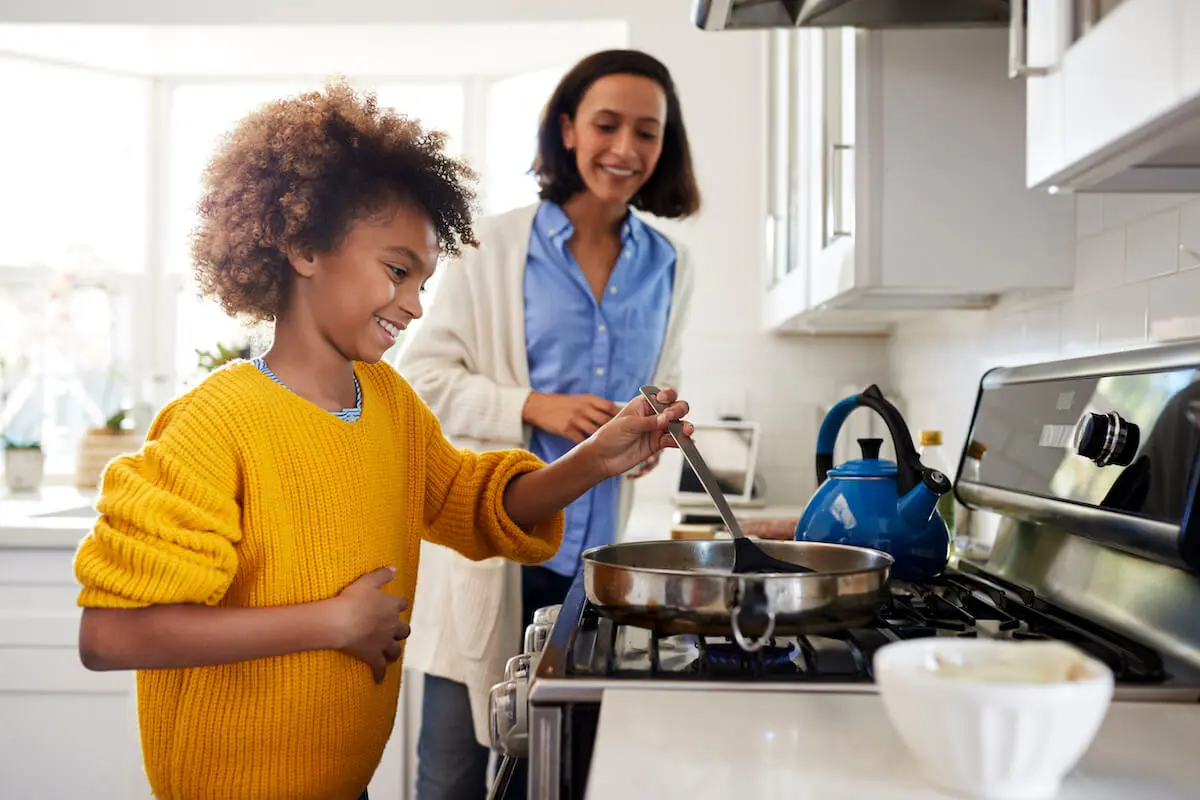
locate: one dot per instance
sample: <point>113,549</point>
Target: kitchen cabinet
<point>1113,94</point>
<point>67,732</point>
<point>896,164</point>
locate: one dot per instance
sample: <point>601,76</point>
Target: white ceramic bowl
<point>999,736</point>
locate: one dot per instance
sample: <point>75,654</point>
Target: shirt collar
<point>555,223</point>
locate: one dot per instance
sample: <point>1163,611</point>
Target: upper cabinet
<point>1113,93</point>
<point>896,179</point>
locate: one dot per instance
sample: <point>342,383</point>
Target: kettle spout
<point>916,507</point>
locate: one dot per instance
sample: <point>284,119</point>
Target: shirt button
<point>599,370</point>
<point>553,231</point>
<point>628,254</point>
<point>612,290</point>
<point>602,328</point>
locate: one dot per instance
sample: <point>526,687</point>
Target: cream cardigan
<point>467,359</point>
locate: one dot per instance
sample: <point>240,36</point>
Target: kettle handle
<point>909,469</point>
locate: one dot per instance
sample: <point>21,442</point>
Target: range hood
<point>726,15</point>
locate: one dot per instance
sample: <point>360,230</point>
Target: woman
<point>536,339</point>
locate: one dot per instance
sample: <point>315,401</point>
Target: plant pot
<point>98,447</point>
<point>23,468</point>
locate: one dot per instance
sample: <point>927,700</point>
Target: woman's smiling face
<point>617,135</point>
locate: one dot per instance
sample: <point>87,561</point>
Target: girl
<point>254,561</point>
<point>567,307</point>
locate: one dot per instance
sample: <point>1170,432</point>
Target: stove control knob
<point>508,720</point>
<point>547,615</point>
<point>536,635</point>
<point>519,668</point>
<point>1107,439</point>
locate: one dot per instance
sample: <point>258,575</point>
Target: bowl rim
<point>1101,675</point>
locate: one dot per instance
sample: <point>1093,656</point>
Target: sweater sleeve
<point>441,359</point>
<point>169,517</point>
<point>464,503</point>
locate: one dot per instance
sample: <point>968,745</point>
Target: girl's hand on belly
<point>367,621</point>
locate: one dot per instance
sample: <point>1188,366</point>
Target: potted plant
<point>24,465</point>
<point>208,360</point>
<point>101,445</point>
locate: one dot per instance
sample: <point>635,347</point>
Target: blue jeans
<point>451,765</point>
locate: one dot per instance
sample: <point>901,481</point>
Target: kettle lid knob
<point>870,447</point>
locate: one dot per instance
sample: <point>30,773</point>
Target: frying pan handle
<point>753,604</point>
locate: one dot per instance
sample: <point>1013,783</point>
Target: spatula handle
<point>707,479</point>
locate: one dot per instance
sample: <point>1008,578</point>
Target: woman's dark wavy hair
<point>671,191</point>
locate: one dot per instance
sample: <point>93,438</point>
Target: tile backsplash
<point>1137,282</point>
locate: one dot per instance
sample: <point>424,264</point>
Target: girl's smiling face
<point>362,294</point>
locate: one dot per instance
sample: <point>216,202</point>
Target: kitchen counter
<point>54,517</point>
<point>698,745</point>
<point>652,519</point>
<point>59,516</point>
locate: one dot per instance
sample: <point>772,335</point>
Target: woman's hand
<point>573,416</point>
<point>636,434</point>
<point>368,620</point>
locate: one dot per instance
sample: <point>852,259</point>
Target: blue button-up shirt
<point>578,346</point>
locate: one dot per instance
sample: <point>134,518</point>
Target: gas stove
<point>965,603</point>
<point>1088,493</point>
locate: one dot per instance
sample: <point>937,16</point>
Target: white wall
<point>1137,282</point>
<point>730,366</point>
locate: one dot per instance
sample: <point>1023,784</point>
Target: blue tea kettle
<point>875,503</point>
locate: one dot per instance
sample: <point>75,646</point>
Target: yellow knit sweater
<point>247,495</point>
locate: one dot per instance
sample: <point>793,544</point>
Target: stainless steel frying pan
<point>680,586</point>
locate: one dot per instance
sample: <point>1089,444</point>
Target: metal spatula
<point>747,556</point>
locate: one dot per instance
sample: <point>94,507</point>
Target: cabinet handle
<point>837,224</point>
<point>772,250</point>
<point>1017,40</point>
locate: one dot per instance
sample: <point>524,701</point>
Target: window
<point>514,110</point>
<point>73,227</point>
<point>74,170</point>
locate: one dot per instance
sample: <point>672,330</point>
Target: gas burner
<point>726,659</point>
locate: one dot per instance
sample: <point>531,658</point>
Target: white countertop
<point>28,519</point>
<point>665,744</point>
<point>32,520</point>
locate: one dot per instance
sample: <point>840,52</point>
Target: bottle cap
<point>931,438</point>
<point>976,450</point>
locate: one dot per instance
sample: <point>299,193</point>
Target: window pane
<point>65,363</point>
<point>514,108</point>
<point>73,168</point>
<point>437,105</point>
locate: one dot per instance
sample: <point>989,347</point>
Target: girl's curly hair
<point>296,173</point>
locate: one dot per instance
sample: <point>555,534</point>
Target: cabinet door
<point>1046,40</point>
<point>64,732</point>
<point>1120,75</point>
<point>832,58</point>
